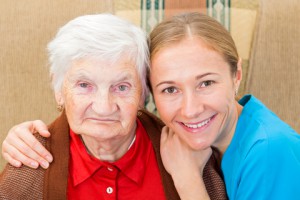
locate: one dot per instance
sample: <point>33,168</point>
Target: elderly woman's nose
<point>104,103</point>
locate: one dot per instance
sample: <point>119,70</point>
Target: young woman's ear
<point>238,75</point>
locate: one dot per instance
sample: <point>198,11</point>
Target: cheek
<point>222,102</point>
<point>128,108</point>
<point>128,117</point>
<point>76,105</point>
<point>134,101</point>
<point>131,100</point>
<point>133,96</point>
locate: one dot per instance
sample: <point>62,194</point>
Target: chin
<point>199,145</point>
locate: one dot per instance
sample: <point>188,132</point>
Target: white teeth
<point>197,125</point>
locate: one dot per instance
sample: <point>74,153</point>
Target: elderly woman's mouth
<point>104,120</point>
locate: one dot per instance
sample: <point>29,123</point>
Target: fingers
<point>32,148</point>
<point>40,127</point>
<point>20,151</point>
<point>21,146</point>
<point>12,161</point>
<point>16,158</point>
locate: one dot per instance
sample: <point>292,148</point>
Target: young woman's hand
<point>21,147</point>
<point>185,165</point>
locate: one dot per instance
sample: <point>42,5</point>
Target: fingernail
<point>34,164</point>
<point>45,131</point>
<point>18,164</point>
<point>49,158</point>
<point>45,164</point>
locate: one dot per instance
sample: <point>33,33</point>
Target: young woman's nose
<point>191,105</point>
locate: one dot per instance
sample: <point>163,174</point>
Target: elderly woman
<point>102,146</point>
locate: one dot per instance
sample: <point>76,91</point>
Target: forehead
<point>188,51</point>
<point>102,68</point>
<point>187,60</point>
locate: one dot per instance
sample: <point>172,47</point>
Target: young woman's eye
<point>170,90</point>
<point>206,83</point>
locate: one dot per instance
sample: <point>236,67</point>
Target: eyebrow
<point>81,74</point>
<point>164,82</point>
<point>203,75</point>
<point>123,77</point>
<point>197,78</point>
<point>120,77</point>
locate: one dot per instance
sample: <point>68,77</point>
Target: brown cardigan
<point>25,183</point>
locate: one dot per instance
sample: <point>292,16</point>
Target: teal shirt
<point>263,158</point>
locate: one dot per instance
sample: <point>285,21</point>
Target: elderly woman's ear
<point>59,100</point>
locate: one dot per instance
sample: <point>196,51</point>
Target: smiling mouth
<point>198,125</point>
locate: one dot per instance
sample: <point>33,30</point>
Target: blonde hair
<point>194,24</point>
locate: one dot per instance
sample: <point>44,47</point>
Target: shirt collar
<point>132,164</point>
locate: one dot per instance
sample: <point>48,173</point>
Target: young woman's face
<point>194,92</point>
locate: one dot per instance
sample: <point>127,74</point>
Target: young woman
<point>195,75</point>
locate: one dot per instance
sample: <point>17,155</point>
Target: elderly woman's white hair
<point>102,36</point>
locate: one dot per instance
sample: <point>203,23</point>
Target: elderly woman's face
<point>101,100</point>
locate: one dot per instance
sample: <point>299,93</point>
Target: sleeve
<point>21,183</point>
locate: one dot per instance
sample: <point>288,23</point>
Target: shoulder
<point>256,113</point>
<point>263,150</point>
<point>258,124</point>
<point>59,139</point>
<point>17,183</point>
<point>260,133</point>
<point>60,124</point>
<point>153,125</point>
<point>23,182</point>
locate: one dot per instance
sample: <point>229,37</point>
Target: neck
<point>224,142</point>
<point>109,150</point>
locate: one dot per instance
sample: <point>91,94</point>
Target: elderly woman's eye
<point>83,85</point>
<point>123,87</point>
